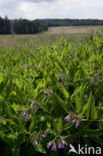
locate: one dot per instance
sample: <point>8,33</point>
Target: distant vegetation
<point>24,26</point>
<point>71,22</point>
<point>21,26</point>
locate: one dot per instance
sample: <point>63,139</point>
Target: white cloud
<point>32,9</point>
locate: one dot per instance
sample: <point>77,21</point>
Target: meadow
<point>51,92</point>
<point>71,34</point>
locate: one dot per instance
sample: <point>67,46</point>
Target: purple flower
<point>41,138</point>
<point>60,144</point>
<point>77,124</point>
<point>92,82</point>
<point>60,76</point>
<point>49,144</point>
<point>73,121</point>
<point>68,119</point>
<point>48,95</point>
<point>51,91</point>
<point>29,117</point>
<point>98,80</point>
<point>54,148</point>
<point>26,116</point>
<point>64,142</point>
<point>23,114</point>
<point>38,104</point>
<point>45,134</point>
<point>35,107</point>
<point>32,106</point>
<point>35,142</point>
<point>70,56</point>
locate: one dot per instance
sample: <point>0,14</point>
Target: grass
<point>71,34</point>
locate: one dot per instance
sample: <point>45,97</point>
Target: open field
<point>71,34</point>
<point>72,29</point>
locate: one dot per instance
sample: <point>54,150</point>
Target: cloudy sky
<point>33,9</point>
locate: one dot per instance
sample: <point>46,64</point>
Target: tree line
<point>71,22</point>
<point>24,26</point>
<point>21,26</point>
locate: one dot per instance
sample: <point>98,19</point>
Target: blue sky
<point>33,9</point>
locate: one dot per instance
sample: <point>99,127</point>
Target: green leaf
<point>12,139</point>
<point>60,125</point>
<point>31,127</point>
<point>87,107</point>
<point>65,92</point>
<point>91,132</point>
<point>62,103</point>
<point>15,151</point>
<point>39,149</point>
<point>97,139</point>
<point>94,112</point>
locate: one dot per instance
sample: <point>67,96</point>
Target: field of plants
<point>51,97</point>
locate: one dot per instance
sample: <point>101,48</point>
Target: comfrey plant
<point>36,137</point>
<point>35,105</point>
<point>73,118</point>
<point>25,116</point>
<point>57,144</point>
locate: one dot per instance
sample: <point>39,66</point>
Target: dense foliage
<point>51,97</point>
<point>71,22</point>
<point>21,26</point>
<point>5,26</point>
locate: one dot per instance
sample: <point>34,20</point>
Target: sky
<point>41,9</point>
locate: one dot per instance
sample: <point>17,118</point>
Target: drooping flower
<point>45,134</point>
<point>62,143</point>
<point>48,95</point>
<point>35,106</point>
<point>29,117</point>
<point>98,80</point>
<point>35,142</point>
<point>92,82</point>
<point>54,148</point>
<point>24,115</point>
<point>68,119</point>
<point>73,118</point>
<point>32,106</point>
<point>41,138</point>
<point>77,124</point>
<point>49,144</point>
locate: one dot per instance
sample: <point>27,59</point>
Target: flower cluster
<point>73,118</point>
<point>62,78</point>
<point>44,135</point>
<point>25,116</point>
<point>37,136</point>
<point>48,93</point>
<point>60,144</point>
<point>92,82</point>
<point>35,106</point>
<point>97,78</point>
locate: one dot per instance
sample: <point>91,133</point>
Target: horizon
<point>52,18</point>
<point>52,9</point>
